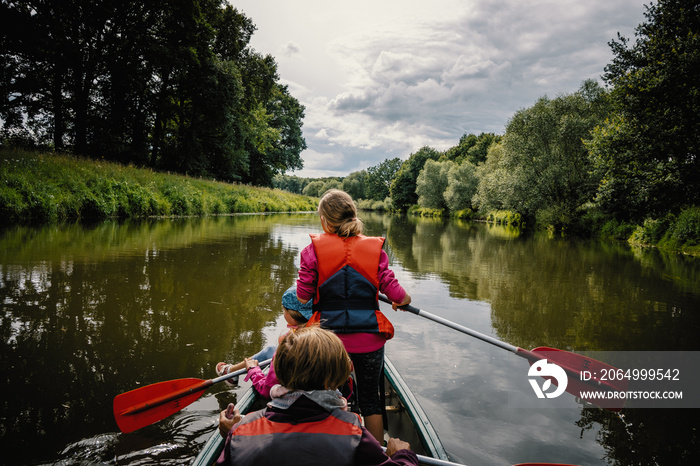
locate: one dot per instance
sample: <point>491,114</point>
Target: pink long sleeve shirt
<point>262,383</point>
<point>388,285</point>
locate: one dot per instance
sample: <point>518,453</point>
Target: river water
<point>89,312</point>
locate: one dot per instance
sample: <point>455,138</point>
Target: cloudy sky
<point>382,78</point>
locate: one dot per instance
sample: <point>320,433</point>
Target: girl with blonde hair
<point>343,271</point>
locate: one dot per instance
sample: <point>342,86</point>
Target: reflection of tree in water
<point>570,294</point>
<point>75,333</point>
<point>578,296</point>
<point>646,436</point>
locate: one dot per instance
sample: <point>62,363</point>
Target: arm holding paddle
<point>406,301</point>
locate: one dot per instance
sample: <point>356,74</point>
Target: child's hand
<point>250,363</point>
<point>228,418</point>
<point>406,301</point>
<point>394,445</point>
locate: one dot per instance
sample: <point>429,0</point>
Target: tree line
<point>168,84</point>
<point>626,152</point>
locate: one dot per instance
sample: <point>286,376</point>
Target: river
<point>92,311</point>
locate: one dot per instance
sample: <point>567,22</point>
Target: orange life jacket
<point>333,440</point>
<point>348,285</point>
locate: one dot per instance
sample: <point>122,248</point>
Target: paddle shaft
<point>573,373</point>
<point>428,461</point>
<point>456,326</point>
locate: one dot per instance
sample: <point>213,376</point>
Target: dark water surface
<point>91,312</point>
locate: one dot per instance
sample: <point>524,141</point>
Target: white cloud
<point>382,79</point>
<point>290,50</point>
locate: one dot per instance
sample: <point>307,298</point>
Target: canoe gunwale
<point>426,431</point>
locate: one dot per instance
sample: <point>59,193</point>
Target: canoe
<point>405,419</point>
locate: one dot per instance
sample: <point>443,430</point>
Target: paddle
<point>573,364</point>
<point>146,405</point>
<point>428,461</point>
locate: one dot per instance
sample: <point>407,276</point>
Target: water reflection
<point>90,312</point>
<point>580,295</point>
<point>574,295</point>
<point>88,315</point>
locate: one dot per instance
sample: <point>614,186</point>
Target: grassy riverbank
<point>47,188</point>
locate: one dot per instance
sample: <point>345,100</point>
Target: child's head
<point>299,312</point>
<point>312,358</point>
<point>339,213</point>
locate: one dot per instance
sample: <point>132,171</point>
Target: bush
<point>505,217</point>
<point>686,229</point>
<point>419,211</point>
<point>612,229</point>
<point>652,231</point>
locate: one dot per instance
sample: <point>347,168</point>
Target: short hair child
<point>312,359</point>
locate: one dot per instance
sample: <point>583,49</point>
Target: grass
<point>48,188</point>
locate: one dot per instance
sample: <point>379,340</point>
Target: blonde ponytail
<point>340,213</point>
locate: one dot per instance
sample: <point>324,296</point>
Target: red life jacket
<point>348,285</point>
<point>260,441</point>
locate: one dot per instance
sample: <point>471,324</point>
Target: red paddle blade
<point>152,403</point>
<point>583,376</point>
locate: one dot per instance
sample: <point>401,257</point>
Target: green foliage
<point>466,214</point>
<point>505,217</point>
<point>379,206</point>
<point>647,151</point>
<point>496,188</point>
<point>293,184</point>
<point>45,188</point>
<point>379,178</point>
<point>461,186</point>
<point>686,229</point>
<point>355,184</point>
<point>681,233</point>
<point>314,189</point>
<point>614,229</point>
<point>418,211</point>
<point>432,183</point>
<point>471,148</point>
<point>403,187</point>
<point>169,85</point>
<point>541,169</point>
<point>652,231</point>
<point>328,185</point>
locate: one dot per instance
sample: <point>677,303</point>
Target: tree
<point>328,185</point>
<point>472,148</point>
<point>354,184</point>
<point>543,170</point>
<point>461,186</point>
<point>173,85</point>
<point>314,189</point>
<point>432,183</point>
<point>403,188</point>
<point>379,178</point>
<point>647,153</point>
<point>497,180</point>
